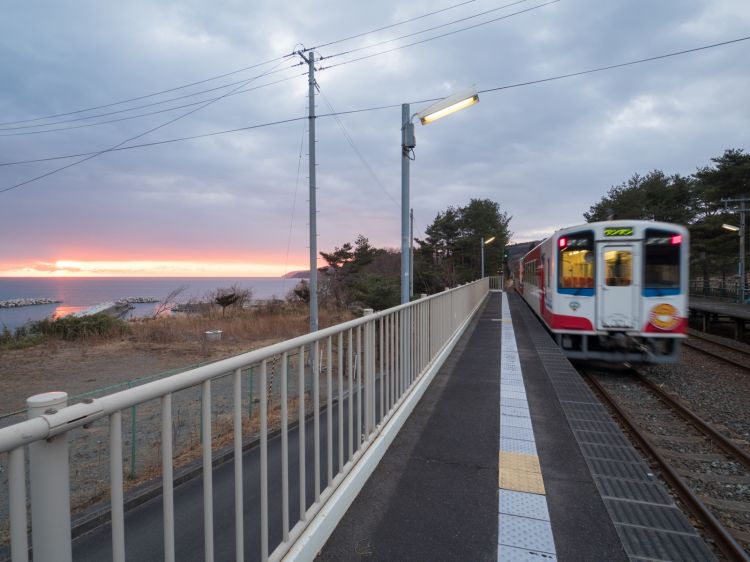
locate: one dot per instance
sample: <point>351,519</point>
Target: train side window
<point>618,266</point>
<point>661,272</point>
<point>576,263</point>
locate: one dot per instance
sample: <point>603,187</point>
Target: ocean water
<point>82,292</point>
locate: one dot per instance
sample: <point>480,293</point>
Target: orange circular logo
<point>664,316</point>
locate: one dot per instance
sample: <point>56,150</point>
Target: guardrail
<point>371,372</point>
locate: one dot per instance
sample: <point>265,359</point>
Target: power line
<point>145,96</point>
<point>233,72</point>
<point>380,107</point>
<point>357,36</point>
<point>356,150</point>
<point>157,143</point>
<point>51,172</point>
<point>611,66</point>
<point>108,121</point>
<point>440,36</point>
<point>386,41</point>
<point>119,111</point>
<point>294,198</point>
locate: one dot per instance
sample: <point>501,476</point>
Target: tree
<point>451,251</point>
<point>654,196</point>
<point>358,274</point>
<point>230,296</point>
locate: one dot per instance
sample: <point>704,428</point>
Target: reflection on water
<point>13,318</point>
<point>63,310</point>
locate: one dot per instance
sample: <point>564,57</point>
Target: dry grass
<point>281,322</point>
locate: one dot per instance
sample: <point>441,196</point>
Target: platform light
<point>730,227</point>
<point>451,104</point>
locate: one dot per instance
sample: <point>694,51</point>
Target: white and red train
<point>614,291</point>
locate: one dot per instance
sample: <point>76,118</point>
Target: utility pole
<point>407,144</point>
<point>740,206</point>
<point>411,253</point>
<point>310,60</point>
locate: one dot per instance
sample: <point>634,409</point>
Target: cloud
<point>545,152</point>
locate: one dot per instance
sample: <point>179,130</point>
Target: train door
<point>618,286</point>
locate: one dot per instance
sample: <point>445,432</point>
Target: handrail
<point>383,357</point>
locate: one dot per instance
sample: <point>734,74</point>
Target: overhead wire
<point>358,35</point>
<point>356,150</point>
<point>147,114</point>
<point>294,198</point>
<point>89,157</point>
<point>612,66</point>
<point>119,111</point>
<point>427,30</point>
<point>493,20</point>
<point>233,72</point>
<point>381,107</point>
<point>151,95</point>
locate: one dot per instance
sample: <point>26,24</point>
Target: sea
<point>79,293</point>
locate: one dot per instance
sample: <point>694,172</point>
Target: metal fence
<point>364,374</point>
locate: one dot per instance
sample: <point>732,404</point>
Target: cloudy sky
<point>235,203</point>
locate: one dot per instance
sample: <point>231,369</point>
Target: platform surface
<point>731,309</point>
<point>511,457</point>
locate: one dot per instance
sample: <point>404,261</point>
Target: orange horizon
<point>148,268</point>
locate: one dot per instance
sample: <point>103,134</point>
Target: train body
<point>612,291</point>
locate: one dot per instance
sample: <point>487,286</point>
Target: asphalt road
<point>144,524</point>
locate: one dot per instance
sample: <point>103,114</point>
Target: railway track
<point>724,352</point>
<point>709,472</point>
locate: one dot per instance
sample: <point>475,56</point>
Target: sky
<point>236,204</point>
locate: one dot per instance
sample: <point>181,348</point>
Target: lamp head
<point>489,240</point>
<point>451,104</point>
<point>730,227</point>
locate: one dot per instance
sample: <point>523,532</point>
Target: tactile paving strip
<point>524,531</point>
<point>646,519</point>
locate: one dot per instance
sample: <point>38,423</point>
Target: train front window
<point>618,266</point>
<point>662,262</point>
<point>576,262</point>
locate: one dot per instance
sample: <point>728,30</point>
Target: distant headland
<point>296,275</point>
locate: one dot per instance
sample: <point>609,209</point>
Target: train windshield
<point>662,264</point>
<point>576,259</point>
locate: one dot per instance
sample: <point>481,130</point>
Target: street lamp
<point>439,109</point>
<point>741,231</point>
<point>484,243</point>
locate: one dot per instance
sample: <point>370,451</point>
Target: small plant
<point>76,328</point>
<point>20,339</point>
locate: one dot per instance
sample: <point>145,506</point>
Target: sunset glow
<point>149,268</point>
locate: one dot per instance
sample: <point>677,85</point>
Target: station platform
<point>707,311</point>
<point>510,456</point>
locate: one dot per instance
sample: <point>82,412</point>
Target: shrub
<point>19,339</point>
<point>76,328</point>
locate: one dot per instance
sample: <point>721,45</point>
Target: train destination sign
<point>622,231</point>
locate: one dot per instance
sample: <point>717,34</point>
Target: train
<point>612,291</point>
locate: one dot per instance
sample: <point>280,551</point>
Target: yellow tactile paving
<point>520,481</point>
<point>520,461</point>
<point>520,472</point>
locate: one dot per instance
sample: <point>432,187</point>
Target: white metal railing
<point>496,282</point>
<point>370,368</point>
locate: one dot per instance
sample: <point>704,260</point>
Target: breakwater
<point>15,303</point>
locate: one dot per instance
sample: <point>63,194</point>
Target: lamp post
<point>741,231</point>
<point>484,243</point>
<point>446,106</point>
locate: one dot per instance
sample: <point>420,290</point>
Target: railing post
<point>50,485</point>
<point>369,355</point>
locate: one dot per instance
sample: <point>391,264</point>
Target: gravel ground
<point>719,394</point>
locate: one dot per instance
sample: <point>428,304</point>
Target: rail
<point>385,360</point>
